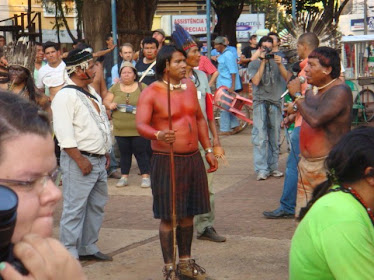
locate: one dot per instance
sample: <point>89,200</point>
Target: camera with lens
<point>8,217</point>
<point>268,54</point>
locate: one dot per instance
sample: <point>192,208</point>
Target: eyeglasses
<point>54,175</point>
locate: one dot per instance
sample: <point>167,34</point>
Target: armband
<point>157,133</point>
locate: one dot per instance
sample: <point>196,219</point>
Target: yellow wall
<point>20,6</point>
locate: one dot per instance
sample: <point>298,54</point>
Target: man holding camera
<point>268,76</point>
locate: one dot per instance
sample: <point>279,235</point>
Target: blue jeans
<point>227,121</point>
<point>83,209</point>
<point>288,199</point>
<point>265,136</point>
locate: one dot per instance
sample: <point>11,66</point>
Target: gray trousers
<point>83,205</point>
<point>203,221</point>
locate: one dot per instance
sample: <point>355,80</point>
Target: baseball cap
<point>161,31</point>
<point>220,40</point>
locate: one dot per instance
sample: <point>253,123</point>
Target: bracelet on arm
<point>157,133</point>
<point>208,150</point>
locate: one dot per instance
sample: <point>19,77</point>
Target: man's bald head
<point>309,39</point>
<point>306,44</point>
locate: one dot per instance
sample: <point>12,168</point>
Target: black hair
<point>163,56</point>
<point>108,36</point>
<point>253,36</point>
<point>18,115</point>
<point>265,39</point>
<point>328,57</point>
<point>346,162</point>
<point>82,45</point>
<point>39,44</point>
<point>150,40</point>
<point>30,85</point>
<point>310,39</point>
<point>274,34</point>
<point>50,44</point>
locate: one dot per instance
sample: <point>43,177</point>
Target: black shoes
<point>211,235</point>
<point>96,257</point>
<point>278,214</point>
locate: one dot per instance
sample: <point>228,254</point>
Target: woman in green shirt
<point>122,99</point>
<point>335,238</point>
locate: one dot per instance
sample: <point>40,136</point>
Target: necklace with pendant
<point>177,86</point>
<point>316,89</point>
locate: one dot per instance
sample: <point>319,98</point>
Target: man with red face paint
<point>189,127</point>
<point>147,65</point>
<point>326,109</point>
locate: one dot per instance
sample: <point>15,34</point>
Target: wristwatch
<point>208,150</point>
<point>297,94</point>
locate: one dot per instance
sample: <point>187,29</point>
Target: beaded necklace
<point>358,198</point>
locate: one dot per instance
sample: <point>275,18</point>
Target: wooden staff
<point>172,181</point>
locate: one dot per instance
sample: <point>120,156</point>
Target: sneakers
<point>261,176</point>
<point>189,270</point>
<point>146,183</point>
<point>211,235</point>
<point>115,174</point>
<point>276,173</point>
<point>169,273</point>
<point>123,182</point>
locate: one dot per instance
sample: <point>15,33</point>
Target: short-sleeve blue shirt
<point>226,66</point>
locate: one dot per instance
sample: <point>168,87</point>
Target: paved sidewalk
<point>256,248</point>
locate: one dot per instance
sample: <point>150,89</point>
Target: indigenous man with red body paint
<point>189,128</point>
<point>326,110</point>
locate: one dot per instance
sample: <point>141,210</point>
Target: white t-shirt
<point>51,77</point>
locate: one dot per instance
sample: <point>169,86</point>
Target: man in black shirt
<point>146,66</point>
<point>245,58</point>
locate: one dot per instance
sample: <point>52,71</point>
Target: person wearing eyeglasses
<point>28,167</point>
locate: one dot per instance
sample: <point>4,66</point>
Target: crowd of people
<point>160,104</point>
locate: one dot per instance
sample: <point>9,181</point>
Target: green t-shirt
<point>124,123</point>
<point>335,240</point>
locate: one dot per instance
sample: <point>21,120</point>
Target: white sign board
<point>249,24</point>
<point>196,24</point>
<point>193,24</point>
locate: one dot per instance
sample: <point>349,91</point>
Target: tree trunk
<point>97,22</point>
<point>227,15</point>
<point>134,18</point>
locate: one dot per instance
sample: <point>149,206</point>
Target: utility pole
<point>208,37</point>
<point>294,9</point>
<point>114,31</point>
<point>365,17</point>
